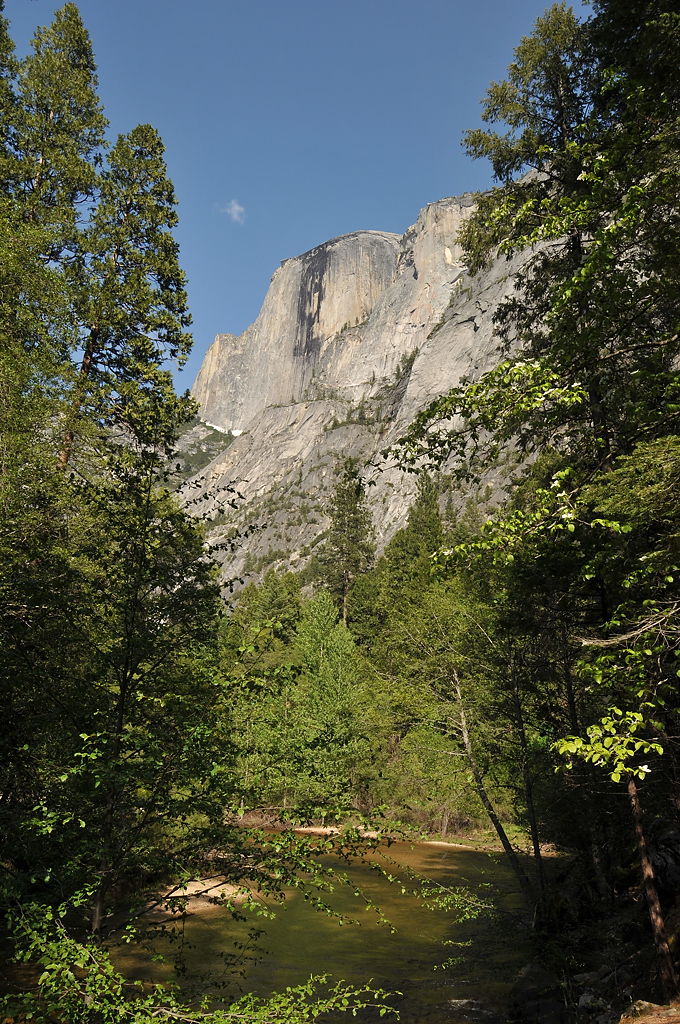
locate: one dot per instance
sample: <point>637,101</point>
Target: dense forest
<point>515,673</point>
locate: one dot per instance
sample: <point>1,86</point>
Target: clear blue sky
<point>288,123</point>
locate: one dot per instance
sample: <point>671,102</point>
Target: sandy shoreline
<point>329,830</point>
<point>201,892</point>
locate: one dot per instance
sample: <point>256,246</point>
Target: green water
<point>301,941</point>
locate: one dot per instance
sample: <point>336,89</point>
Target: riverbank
<point>484,841</point>
<point>449,971</point>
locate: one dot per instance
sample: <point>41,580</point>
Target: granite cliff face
<point>353,339</point>
<point>312,300</point>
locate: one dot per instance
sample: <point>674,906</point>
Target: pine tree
<point>59,134</point>
<point>543,104</point>
<point>591,332</point>
<point>409,550</point>
<point>329,701</point>
<point>8,99</point>
<point>592,382</point>
<point>116,758</point>
<point>100,569</point>
<point>405,568</point>
<point>543,101</point>
<point>349,549</point>
<point>130,299</point>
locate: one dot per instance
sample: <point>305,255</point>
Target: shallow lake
<point>301,942</point>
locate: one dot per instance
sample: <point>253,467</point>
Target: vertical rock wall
<point>354,338</point>
<point>311,299</point>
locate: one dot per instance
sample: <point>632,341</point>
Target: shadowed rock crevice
<point>308,337</point>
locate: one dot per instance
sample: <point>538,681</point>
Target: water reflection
<point>301,942</point>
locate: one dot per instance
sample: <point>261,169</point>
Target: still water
<point>301,942</point>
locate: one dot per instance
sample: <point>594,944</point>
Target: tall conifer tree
<point>349,548</point>
<point>130,299</point>
<point>60,129</point>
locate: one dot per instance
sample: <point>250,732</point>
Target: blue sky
<point>288,123</point>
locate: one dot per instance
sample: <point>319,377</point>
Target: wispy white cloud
<point>235,211</point>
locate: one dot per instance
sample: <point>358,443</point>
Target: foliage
<point>79,980</point>
<point>613,742</point>
<point>120,769</point>
<point>543,101</point>
<point>592,330</point>
<point>302,741</point>
<point>575,580</point>
<point>348,549</point>
<point>150,736</point>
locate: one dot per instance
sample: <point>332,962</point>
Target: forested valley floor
<point>513,677</point>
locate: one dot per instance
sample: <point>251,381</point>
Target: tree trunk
<point>600,427</point>
<point>98,911</point>
<point>606,892</point>
<point>528,792</point>
<point>669,981</point>
<point>600,877</point>
<point>569,685</point>
<point>521,875</point>
<point>669,744</point>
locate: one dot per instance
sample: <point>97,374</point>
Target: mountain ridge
<point>303,390</point>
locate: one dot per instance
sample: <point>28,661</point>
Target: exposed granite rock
<point>312,299</point>
<point>354,338</point>
<point>199,444</point>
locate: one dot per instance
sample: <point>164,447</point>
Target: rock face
<point>312,300</point>
<point>353,339</point>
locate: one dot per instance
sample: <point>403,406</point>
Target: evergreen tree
<point>424,517</point>
<point>326,645</point>
<point>117,763</point>
<point>330,699</point>
<point>639,37</point>
<point>349,549</point>
<point>592,331</point>
<point>8,100</point>
<point>404,569</point>
<point>278,601</point>
<point>131,300</point>
<point>59,133</point>
<point>591,382</point>
<point>408,553</point>
<point>264,622</point>
<point>543,101</point>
